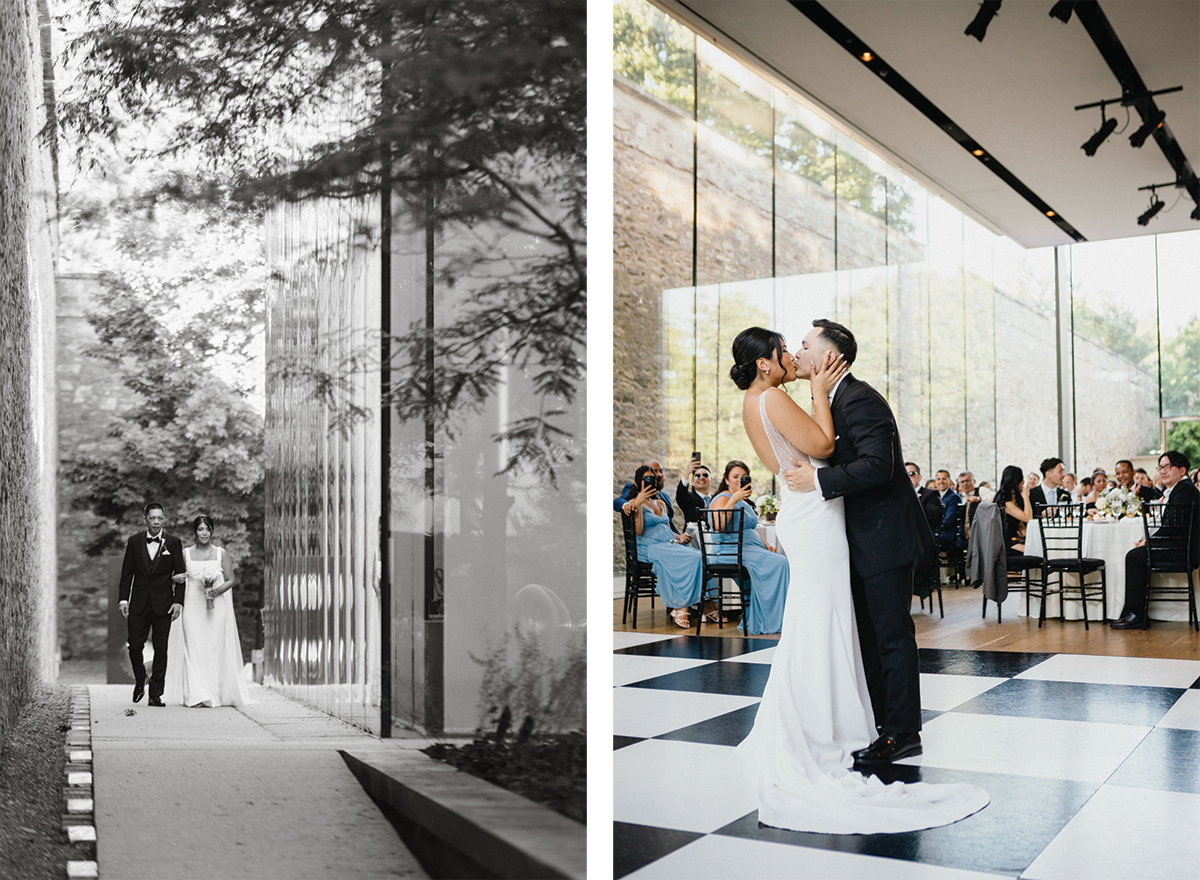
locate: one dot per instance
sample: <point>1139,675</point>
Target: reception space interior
<point>1000,201</point>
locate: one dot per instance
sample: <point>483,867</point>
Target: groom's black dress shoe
<point>888,748</point>
<point>1129,621</point>
<point>139,691</point>
<point>157,701</point>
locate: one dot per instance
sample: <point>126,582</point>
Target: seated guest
<point>948,533</point>
<point>768,569</point>
<point>925,572</point>
<point>1032,479</point>
<point>986,492</point>
<point>1142,486</point>
<point>1196,477</point>
<point>694,492</point>
<point>1172,469</point>
<point>971,498</point>
<point>1068,483</point>
<point>1099,487</point>
<point>1013,500</point>
<point>677,568</point>
<point>1083,490</point>
<point>931,502</point>
<point>1050,492</point>
<point>622,502</point>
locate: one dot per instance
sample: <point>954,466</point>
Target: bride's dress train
<point>815,710</point>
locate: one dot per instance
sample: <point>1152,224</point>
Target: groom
<point>151,596</point>
<point>887,533</point>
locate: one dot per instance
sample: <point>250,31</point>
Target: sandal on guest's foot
<point>680,616</point>
<point>711,617</point>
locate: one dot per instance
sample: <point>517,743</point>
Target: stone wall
<point>27,463</point>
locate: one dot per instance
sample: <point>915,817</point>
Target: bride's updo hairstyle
<point>203,520</point>
<point>750,345</point>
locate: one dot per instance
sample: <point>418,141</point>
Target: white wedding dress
<point>204,655</point>
<point>815,710</point>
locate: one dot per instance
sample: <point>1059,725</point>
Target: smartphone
<point>650,481</point>
<point>695,456</point>
<point>745,479</point>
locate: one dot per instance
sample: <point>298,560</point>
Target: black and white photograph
<point>906,436</point>
<point>294,442</point>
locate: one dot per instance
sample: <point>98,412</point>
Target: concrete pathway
<point>259,792</point>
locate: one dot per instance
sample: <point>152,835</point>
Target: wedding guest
<point>930,502</point>
<point>1143,487</point>
<point>769,571</point>
<point>1050,491</point>
<point>971,498</point>
<point>1068,483</point>
<point>947,533</point>
<point>1032,479</point>
<point>1083,491</point>
<point>1013,499</point>
<point>986,492</point>
<point>622,503</point>
<point>678,569</point>
<point>1172,470</point>
<point>1196,477</point>
<point>925,572</point>
<point>1099,487</point>
<point>694,491</point>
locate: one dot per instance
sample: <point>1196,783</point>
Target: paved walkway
<point>259,792</point>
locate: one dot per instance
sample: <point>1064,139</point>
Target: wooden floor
<point>964,628</point>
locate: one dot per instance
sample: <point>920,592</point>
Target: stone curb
<point>460,826</point>
<point>79,822</point>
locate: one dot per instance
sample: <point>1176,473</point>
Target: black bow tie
<point>150,540</point>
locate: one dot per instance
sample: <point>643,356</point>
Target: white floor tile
<point>1126,832</point>
<point>633,639</point>
<point>944,692</point>
<point>1145,671</point>
<point>765,656</point>
<point>1185,713</point>
<point>719,858</point>
<point>650,712</point>
<point>681,785</point>
<point>1042,747</point>
<point>628,668</point>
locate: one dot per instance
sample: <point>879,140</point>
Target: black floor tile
<point>1024,815</point>
<point>723,730</point>
<point>635,846</point>
<point>928,715</point>
<point>1075,701</point>
<point>619,742</point>
<point>1196,684</point>
<point>700,647</point>
<point>738,679</point>
<point>1166,760</point>
<point>998,664</point>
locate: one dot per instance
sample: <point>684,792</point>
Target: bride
<point>816,710</point>
<point>204,655</point>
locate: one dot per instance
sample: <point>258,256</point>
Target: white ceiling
<point>1014,93</point>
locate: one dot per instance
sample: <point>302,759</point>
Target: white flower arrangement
<point>768,505</point>
<point>1117,503</point>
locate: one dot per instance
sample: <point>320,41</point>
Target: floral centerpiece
<point>768,506</point>
<point>1117,503</point>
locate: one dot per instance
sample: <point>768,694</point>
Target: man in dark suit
<point>1050,491</point>
<point>694,497</point>
<point>1127,480</point>
<point>887,533</point>
<point>1173,471</point>
<point>151,596</point>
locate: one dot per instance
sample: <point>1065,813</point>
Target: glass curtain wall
<point>958,327</point>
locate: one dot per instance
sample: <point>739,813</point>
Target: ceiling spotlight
<point>1062,10</point>
<point>866,56</point>
<point>1148,128</point>
<point>1051,214</point>
<point>1156,205</point>
<point>978,27</point>
<point>1106,128</point>
<point>977,152</point>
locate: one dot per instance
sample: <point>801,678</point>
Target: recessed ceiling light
<point>1051,214</point>
<point>866,56</point>
<point>977,152</point>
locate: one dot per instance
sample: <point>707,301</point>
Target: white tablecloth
<point>1109,541</point>
<point>766,531</point>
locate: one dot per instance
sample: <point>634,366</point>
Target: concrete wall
<point>27,447</point>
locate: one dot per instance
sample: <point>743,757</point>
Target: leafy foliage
<point>471,115</point>
<point>1181,372</point>
<point>1102,319</point>
<point>1185,436</point>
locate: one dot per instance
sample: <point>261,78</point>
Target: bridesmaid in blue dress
<point>769,571</point>
<point>676,566</point>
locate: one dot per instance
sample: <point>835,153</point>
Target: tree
<point>470,114</point>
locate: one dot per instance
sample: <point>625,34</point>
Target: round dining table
<point>1109,540</point>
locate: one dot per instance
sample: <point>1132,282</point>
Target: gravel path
<point>33,845</point>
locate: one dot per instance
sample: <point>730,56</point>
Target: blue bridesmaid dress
<point>677,566</point>
<point>769,573</point>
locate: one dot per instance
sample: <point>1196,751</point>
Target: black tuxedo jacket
<point>1037,495</point>
<point>884,521</point>
<point>1185,492</point>
<point>147,582</point>
<point>690,503</point>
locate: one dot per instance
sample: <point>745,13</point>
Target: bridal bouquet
<point>209,582</point>
<point>768,506</point>
<point>1117,503</point>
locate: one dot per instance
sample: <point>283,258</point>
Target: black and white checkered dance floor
<point>1092,764</point>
